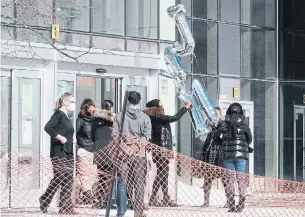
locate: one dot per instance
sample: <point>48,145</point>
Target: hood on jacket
<point>133,113</point>
<point>154,111</point>
<point>235,108</point>
<point>105,114</point>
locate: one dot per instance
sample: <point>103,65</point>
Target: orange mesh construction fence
<point>167,184</point>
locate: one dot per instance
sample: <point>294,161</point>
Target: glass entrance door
<point>22,139</point>
<point>249,117</point>
<point>299,144</point>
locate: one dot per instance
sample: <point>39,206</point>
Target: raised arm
<point>171,119</point>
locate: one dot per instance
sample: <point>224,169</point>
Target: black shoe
<point>43,207</point>
<point>231,205</point>
<point>205,205</point>
<point>241,205</point>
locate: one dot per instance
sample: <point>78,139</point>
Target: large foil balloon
<point>203,113</point>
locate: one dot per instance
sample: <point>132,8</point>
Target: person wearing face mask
<point>85,168</point>
<point>61,131</point>
<point>162,136</point>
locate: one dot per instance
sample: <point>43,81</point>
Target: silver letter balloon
<point>203,113</point>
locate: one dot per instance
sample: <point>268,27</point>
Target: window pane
<point>259,12</point>
<point>205,35</point>
<point>36,13</point>
<point>108,43</point>
<point>7,9</point>
<point>74,14</point>
<point>229,49</point>
<point>142,18</point>
<point>167,24</point>
<point>187,5</point>
<point>79,40</point>
<point>108,17</point>
<point>264,137</point>
<point>230,10</point>
<point>142,46</point>
<point>206,9</point>
<point>292,57</point>
<point>290,96</point>
<point>258,53</point>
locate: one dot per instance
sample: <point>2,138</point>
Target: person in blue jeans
<point>138,125</point>
<point>236,137</point>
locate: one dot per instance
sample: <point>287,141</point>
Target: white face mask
<point>71,107</point>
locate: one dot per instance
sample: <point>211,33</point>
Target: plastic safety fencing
<point>159,182</point>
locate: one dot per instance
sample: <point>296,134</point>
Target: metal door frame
<point>298,109</point>
<point>248,105</point>
<point>15,75</point>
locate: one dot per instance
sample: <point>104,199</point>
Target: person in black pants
<point>162,136</point>
<point>102,136</point>
<point>211,153</point>
<point>61,130</point>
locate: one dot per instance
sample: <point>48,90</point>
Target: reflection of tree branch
<point>50,42</point>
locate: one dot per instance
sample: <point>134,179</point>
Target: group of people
<point>227,146</point>
<point>92,135</point>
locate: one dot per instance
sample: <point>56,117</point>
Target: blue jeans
<point>238,165</point>
<point>121,198</point>
<point>135,168</point>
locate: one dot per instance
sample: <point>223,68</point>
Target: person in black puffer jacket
<point>162,136</point>
<point>85,168</point>
<point>236,138</point>
<point>102,137</point>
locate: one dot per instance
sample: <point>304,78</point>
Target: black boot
<point>43,204</point>
<point>231,205</point>
<point>206,197</point>
<point>241,204</point>
<point>168,202</point>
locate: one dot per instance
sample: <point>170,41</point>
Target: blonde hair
<point>61,99</point>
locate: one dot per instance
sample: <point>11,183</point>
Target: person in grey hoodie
<point>136,124</point>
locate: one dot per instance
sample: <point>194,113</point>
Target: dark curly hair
<point>86,104</point>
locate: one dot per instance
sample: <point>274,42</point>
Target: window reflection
<point>142,18</point>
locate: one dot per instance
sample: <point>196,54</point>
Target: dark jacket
<point>211,149</point>
<point>236,134</point>
<point>83,133</point>
<point>62,125</point>
<point>101,133</point>
<point>161,130</point>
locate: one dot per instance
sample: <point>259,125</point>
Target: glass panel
<point>299,138</point>
<point>259,12</point>
<point>229,49</point>
<point>230,10</point>
<point>97,89</point>
<point>143,91</point>
<point>290,94</point>
<point>74,14</point>
<point>142,18</point>
<point>29,132</point>
<point>108,17</point>
<point>64,86</point>
<point>205,35</point>
<point>36,13</point>
<point>258,53</point>
<point>7,9</point>
<point>5,130</point>
<point>187,5</point>
<point>206,9</point>
<point>142,46</point>
<point>292,57</point>
<point>79,40</point>
<point>29,35</point>
<point>291,14</point>
<point>167,25</point>
<point>108,43</point>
